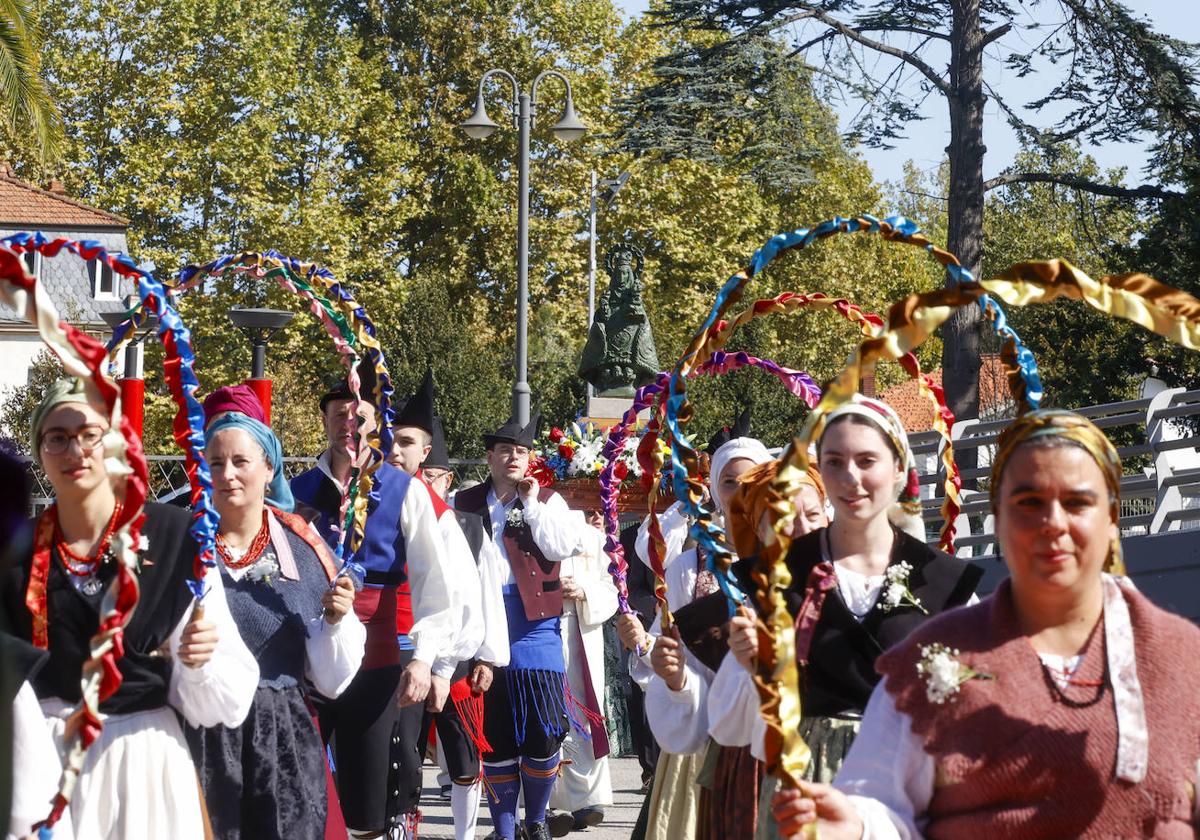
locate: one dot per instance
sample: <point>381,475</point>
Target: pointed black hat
<point>438,458</point>
<point>417,410</point>
<point>741,428</point>
<point>512,432</point>
<point>340,390</point>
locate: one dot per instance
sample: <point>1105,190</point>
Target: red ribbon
<point>821,579</point>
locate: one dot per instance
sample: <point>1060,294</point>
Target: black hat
<point>417,410</point>
<point>511,432</point>
<point>438,458</point>
<point>741,428</point>
<point>340,390</point>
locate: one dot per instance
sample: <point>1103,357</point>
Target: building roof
<point>917,414</point>
<point>24,205</point>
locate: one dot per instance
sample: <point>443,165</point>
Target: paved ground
<point>618,819</point>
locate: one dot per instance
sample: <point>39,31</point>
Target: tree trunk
<point>960,335</point>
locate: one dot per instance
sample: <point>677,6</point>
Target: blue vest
<point>382,552</point>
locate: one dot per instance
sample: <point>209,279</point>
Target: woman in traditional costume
<point>673,679</point>
<point>265,779</point>
<point>1063,705</point>
<point>138,779</point>
<point>860,586</point>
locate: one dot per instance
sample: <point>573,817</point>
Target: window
<point>33,263</point>
<point>103,281</point>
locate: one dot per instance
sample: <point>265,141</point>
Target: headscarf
<point>1081,432</point>
<point>70,389</point>
<point>905,512</point>
<point>749,503</point>
<point>278,492</point>
<point>239,398</point>
<point>742,447</point>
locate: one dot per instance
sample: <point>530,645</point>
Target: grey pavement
<point>436,821</point>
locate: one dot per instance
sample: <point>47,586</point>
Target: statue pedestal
<point>606,412</point>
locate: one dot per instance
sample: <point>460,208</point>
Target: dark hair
<point>859,420</point>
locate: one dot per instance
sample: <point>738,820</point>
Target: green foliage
<point>26,109</point>
<point>18,404</point>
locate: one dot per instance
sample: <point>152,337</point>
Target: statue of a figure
<point>619,355</point>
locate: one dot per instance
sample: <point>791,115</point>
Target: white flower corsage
<point>943,673</point>
<point>264,569</point>
<point>515,517</point>
<point>896,592</point>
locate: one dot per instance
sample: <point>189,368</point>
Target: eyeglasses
<point>56,441</point>
<point>436,475</point>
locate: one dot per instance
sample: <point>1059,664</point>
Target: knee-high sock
<point>504,786</point>
<point>537,780</point>
<point>464,804</point>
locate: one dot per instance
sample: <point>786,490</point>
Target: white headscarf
<point>743,447</point>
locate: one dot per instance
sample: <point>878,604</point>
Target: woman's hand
<point>631,633</point>
<point>824,805</point>
<point>199,640</point>
<point>667,660</point>
<point>338,599</point>
<point>743,639</point>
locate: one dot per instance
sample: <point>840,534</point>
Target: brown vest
<point>1014,761</point>
<point>537,577</point>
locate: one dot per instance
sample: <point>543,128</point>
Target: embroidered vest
<point>1014,761</point>
<point>536,577</point>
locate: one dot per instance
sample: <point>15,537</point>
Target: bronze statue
<point>619,355</point>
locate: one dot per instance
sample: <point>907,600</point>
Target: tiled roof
<point>23,205</point>
<point>67,280</point>
<point>917,413</point>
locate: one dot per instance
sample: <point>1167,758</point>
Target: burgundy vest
<point>537,577</point>
<point>1014,761</point>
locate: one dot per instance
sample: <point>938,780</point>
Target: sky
<point>927,139</point>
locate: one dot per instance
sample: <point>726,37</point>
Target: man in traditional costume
<point>584,786</point>
<point>525,712</point>
<point>482,640</point>
<point>402,546</point>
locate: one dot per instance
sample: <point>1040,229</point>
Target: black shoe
<point>560,823</point>
<point>537,831</point>
<point>445,793</point>
<point>587,818</point>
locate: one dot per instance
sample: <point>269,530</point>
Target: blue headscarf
<point>278,493</point>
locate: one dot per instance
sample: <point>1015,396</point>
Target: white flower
<point>143,543</point>
<point>583,462</point>
<point>943,673</point>
<point>515,517</point>
<point>899,573</point>
<point>897,592</point>
<point>892,597</point>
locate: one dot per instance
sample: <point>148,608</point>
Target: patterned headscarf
<point>70,389</point>
<point>905,513</point>
<point>1081,432</point>
<point>749,504</point>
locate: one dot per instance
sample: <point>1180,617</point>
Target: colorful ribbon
<point>84,357</point>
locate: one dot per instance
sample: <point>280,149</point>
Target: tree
<point>28,111</point>
<point>1121,78</point>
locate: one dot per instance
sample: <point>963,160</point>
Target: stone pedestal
<point>608,411</point>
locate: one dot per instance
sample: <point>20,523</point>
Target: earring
<point>1114,564</point>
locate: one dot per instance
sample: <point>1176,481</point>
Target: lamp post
<point>133,387</point>
<point>259,325</point>
<point>611,186</point>
<point>568,128</point>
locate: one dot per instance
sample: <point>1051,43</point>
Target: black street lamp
<point>259,325</point>
<point>568,128</point>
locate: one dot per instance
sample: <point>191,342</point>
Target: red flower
<point>565,450</point>
<point>539,470</point>
<point>913,490</point>
<point>556,434</point>
<point>620,470</point>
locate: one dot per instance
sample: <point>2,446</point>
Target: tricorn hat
<point>512,432</point>
<point>438,458</point>
<point>741,428</point>
<point>417,410</point>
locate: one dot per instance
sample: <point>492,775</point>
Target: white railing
<point>1160,490</point>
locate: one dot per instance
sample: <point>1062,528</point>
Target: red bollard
<point>262,389</point>
<point>133,405</point>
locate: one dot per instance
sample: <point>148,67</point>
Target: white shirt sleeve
<point>552,527</point>
<point>36,769</point>
<point>679,719</point>
<point>887,773</point>
<point>733,706</point>
<point>434,621</point>
<point>492,574</point>
<point>221,690</point>
<point>466,595</point>
<point>334,653</point>
<point>674,524</point>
